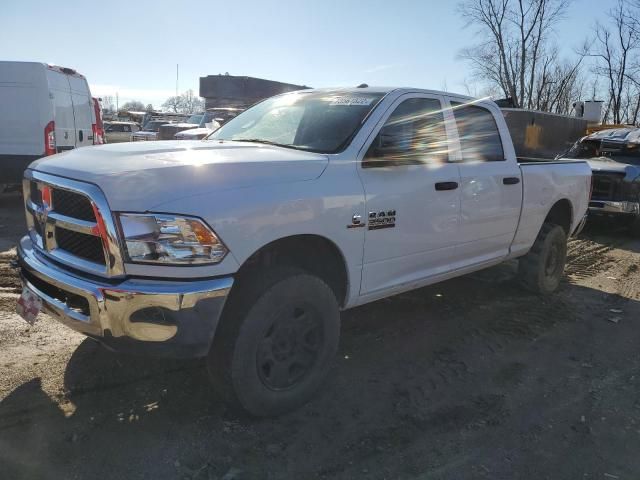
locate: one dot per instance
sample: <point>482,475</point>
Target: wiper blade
<point>268,142</point>
<point>260,140</point>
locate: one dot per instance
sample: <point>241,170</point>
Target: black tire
<point>541,269</point>
<point>278,337</point>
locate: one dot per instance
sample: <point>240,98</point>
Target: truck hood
<point>136,176</point>
<point>607,166</point>
<point>143,133</point>
<point>193,133</point>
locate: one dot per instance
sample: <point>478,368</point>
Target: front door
<point>412,197</point>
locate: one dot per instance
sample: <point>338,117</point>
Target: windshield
<point>321,122</point>
<point>153,126</point>
<point>195,119</point>
<point>615,145</point>
<point>207,118</point>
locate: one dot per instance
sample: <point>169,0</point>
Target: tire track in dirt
<point>586,258</point>
<point>629,283</point>
<point>9,278</point>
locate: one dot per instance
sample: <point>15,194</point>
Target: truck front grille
<point>81,245</point>
<point>70,222</point>
<point>73,205</point>
<point>607,186</point>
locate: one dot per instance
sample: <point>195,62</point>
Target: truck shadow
<point>413,371</point>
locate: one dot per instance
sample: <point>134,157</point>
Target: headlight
<point>169,239</point>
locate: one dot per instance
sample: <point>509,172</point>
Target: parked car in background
<point>44,109</point>
<point>305,204</point>
<point>208,124</point>
<point>97,123</point>
<point>614,157</point>
<point>117,132</point>
<point>213,119</point>
<point>168,131</point>
<point>150,130</point>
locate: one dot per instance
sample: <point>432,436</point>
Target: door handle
<point>446,186</point>
<point>510,180</point>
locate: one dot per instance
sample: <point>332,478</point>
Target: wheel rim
<point>290,347</point>
<point>553,262</point>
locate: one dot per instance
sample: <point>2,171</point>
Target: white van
<point>44,109</point>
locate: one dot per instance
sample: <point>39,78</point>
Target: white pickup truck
<point>244,247</point>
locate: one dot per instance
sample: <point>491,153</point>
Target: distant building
<point>231,91</point>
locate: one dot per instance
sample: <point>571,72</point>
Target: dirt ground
<point>468,379</point>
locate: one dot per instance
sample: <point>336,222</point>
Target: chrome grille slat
<point>73,224</point>
<point>67,229</point>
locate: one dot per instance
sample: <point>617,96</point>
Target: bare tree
<point>191,103</point>
<point>514,53</point>
<point>616,47</point>
<point>133,106</point>
<point>173,104</point>
<point>108,105</point>
<point>187,102</point>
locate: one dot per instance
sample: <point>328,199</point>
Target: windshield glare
<point>195,119</point>
<point>315,121</point>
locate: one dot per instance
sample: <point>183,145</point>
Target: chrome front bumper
<point>173,318</point>
<point>611,207</point>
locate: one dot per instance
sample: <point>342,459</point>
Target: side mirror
<point>387,143</point>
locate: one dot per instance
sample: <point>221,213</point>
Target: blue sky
<point>132,47</point>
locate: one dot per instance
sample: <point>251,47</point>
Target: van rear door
<point>82,108</point>
<point>60,93</point>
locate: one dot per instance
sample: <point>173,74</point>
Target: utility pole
<point>117,107</point>
<point>176,79</point>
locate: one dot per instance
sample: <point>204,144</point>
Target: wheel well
<point>561,214</point>
<point>312,253</point>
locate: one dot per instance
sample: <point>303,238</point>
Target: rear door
<point>82,110</point>
<point>60,95</point>
<point>491,187</point>
<point>412,196</point>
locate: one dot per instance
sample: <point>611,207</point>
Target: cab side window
<point>413,134</point>
<point>126,128</point>
<point>479,135</point>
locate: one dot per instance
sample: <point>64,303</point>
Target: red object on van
<point>50,138</point>
<point>98,127</point>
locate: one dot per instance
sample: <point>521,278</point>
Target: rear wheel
<point>276,342</point>
<point>541,269</point>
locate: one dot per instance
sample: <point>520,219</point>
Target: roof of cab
<point>383,90</point>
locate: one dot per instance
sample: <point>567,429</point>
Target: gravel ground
<point>468,379</point>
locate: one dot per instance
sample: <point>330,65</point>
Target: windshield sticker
<point>358,101</point>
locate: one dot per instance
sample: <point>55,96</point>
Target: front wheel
<point>541,269</point>
<point>277,342</point>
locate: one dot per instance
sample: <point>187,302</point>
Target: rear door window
<point>478,133</point>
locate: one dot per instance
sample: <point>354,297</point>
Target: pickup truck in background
<point>244,247</point>
<point>614,158</point>
<point>149,131</point>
